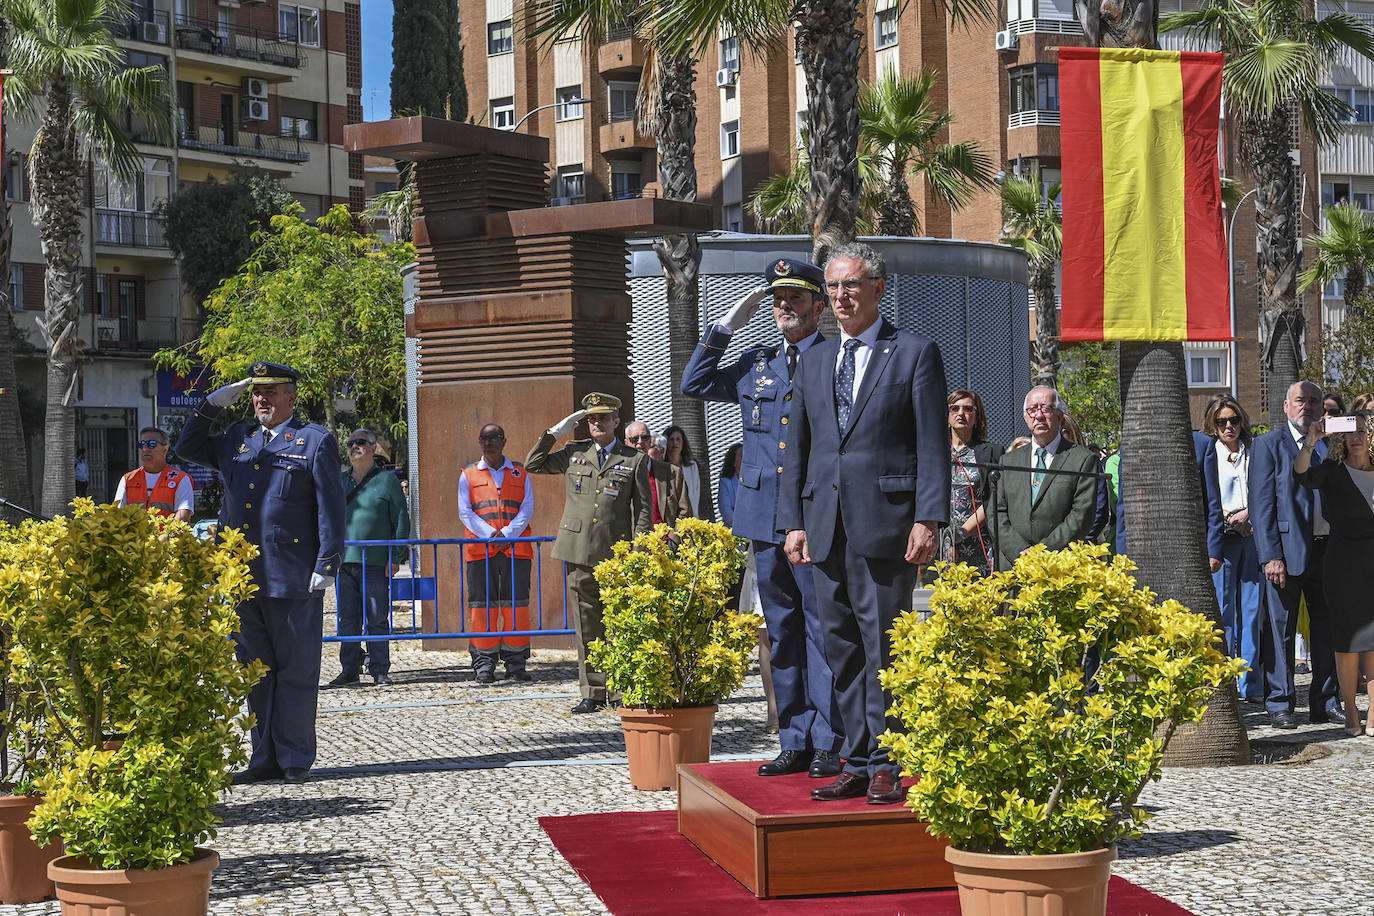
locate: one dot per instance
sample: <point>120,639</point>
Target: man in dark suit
<point>669,487</point>
<point>760,381</point>
<point>864,487</point>
<point>282,486</point>
<point>1049,509</point>
<point>1290,538</point>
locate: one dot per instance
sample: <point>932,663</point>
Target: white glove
<point>228,394</point>
<point>566,425</point>
<point>318,582</point>
<point>746,308</point>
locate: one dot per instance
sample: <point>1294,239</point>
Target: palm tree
<point>1277,55</point>
<point>68,69</point>
<point>1031,222</point>
<point>1345,250</point>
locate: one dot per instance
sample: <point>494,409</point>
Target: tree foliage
<point>427,55</point>
<point>324,299</point>
<point>210,224</point>
<point>1091,386</point>
<point>1344,250</point>
<point>1347,365</point>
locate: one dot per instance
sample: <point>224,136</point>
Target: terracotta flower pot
<point>657,740</point>
<point>1071,883</point>
<point>181,890</point>
<point>23,863</point>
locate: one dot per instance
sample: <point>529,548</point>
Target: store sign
<point>177,390</point>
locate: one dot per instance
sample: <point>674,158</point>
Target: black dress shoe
<point>381,680</point>
<point>519,674</point>
<point>1283,719</point>
<point>785,763</point>
<point>485,677</point>
<point>589,705</point>
<point>886,789</point>
<point>846,785</point>
<point>256,774</point>
<point>826,765</point>
<point>345,679</point>
<point>295,775</point>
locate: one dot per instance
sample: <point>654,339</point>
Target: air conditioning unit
<point>154,32</point>
<point>1007,40</point>
<point>255,109</point>
<point>561,202</point>
<point>727,76</point>
<point>255,88</point>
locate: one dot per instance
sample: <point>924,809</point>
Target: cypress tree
<point>427,59</point>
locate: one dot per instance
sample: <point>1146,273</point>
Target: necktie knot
<point>852,344</point>
<point>844,383</point>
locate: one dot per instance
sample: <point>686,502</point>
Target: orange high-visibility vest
<point>162,499</point>
<point>497,507</point>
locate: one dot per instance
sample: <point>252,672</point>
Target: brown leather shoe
<point>886,789</point>
<point>846,785</point>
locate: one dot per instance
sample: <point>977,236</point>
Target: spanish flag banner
<point>1144,245</point>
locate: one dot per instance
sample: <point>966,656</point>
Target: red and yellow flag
<point>1144,246</point>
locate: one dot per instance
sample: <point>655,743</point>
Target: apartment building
<point>266,82</point>
<point>1000,79</point>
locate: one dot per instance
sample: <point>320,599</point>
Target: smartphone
<point>1340,424</point>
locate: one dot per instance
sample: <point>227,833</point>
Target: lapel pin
<point>243,448</point>
<point>288,435</point>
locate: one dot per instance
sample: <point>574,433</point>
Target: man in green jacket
<point>608,500</point>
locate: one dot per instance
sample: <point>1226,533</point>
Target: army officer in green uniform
<point>608,500</point>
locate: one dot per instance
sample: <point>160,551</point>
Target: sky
<point>376,60</point>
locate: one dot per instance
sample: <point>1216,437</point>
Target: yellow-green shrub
<point>671,638</point>
<point>1014,752</point>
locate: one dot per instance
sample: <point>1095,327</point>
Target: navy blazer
<point>889,469</point>
<point>1280,509</point>
<point>1205,451</point>
<point>287,496</point>
<point>758,382</point>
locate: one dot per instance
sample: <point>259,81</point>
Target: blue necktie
<point>844,383</point>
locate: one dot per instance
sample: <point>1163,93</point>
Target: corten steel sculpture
<point>522,310</point>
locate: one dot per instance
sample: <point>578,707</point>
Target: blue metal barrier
<point>416,588</point>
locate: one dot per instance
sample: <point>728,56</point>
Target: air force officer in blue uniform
<point>760,381</point>
<point>282,487</point>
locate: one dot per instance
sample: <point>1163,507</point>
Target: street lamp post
<point>1231,280</point>
<point>551,105</point>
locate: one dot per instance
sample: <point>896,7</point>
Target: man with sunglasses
<point>671,501</point>
<point>153,485</point>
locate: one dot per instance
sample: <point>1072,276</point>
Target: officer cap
<point>272,374</point>
<point>596,402</point>
<point>794,273</point>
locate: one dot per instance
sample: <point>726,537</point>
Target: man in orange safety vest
<point>153,485</point>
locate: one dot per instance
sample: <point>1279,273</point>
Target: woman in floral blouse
<point>966,539</point>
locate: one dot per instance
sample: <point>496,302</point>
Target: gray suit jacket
<point>1063,510</point>
<point>889,469</point>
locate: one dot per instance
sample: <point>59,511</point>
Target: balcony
<point>1351,154</point>
<point>620,138</point>
<point>1033,118</point>
<point>152,28</point>
<point>241,140</point>
<point>240,48</point>
<point>1053,26</point>
<point>622,56</point>
<point>128,229</point>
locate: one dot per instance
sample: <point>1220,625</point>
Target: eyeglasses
<point>849,285</point>
<point>1227,421</point>
<point>358,443</point>
<point>1040,410</point>
<point>490,438</point>
<point>962,408</point>
<point>644,438</point>
<point>149,443</point>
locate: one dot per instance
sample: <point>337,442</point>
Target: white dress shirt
<point>867,341</point>
<point>1320,527</point>
<point>474,522</point>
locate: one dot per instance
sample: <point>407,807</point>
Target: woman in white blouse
<point>1238,579</point>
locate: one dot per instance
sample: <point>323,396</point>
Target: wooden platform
<point>777,842</point>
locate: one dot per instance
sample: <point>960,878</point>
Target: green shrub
<point>671,638</point>
<point>1014,751</point>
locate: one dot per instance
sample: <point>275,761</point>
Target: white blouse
<point>1232,469</point>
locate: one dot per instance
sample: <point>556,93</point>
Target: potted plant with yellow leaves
<point>1029,754</point>
<point>121,622</point>
<point>674,647</point>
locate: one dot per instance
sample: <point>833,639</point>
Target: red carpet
<point>639,865</point>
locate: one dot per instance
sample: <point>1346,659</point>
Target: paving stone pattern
<point>426,797</point>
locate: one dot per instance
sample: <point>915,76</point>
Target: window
<point>623,101</point>
<point>626,181</point>
<point>732,216</point>
<point>1362,100</point>
<point>503,113</point>
<point>139,59</point>
<point>300,24</point>
<point>299,119</point>
<point>571,183</point>
<point>885,28</point>
<point>16,286</point>
<point>499,37</point>
<point>729,53</point>
<point>566,110</point>
<point>729,139</point>
<point>16,187</point>
<point>1207,368</point>
<point>383,187</point>
<point>1344,190</point>
<point>1034,88</point>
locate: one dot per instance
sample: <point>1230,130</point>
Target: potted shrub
<point>121,622</point>
<point>1030,769</point>
<point>674,647</point>
<point>26,755</point>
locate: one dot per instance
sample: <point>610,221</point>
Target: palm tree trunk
<point>1354,293</point>
<point>1166,527</point>
<point>1265,147</point>
<point>1046,324</point>
<point>674,126</point>
<point>829,47</point>
<point>898,215</point>
<point>57,198</point>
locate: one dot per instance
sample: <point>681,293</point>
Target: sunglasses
<point>1227,421</point>
<point>357,443</point>
<point>490,438</point>
<point>960,408</point>
<point>149,443</point>
<point>639,438</point>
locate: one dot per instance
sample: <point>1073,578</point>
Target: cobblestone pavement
<point>426,797</point>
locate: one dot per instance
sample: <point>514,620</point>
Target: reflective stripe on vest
<point>162,499</point>
<point>497,507</point>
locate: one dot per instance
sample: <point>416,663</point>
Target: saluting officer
<point>608,500</point>
<point>282,486</point>
<point>760,380</point>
